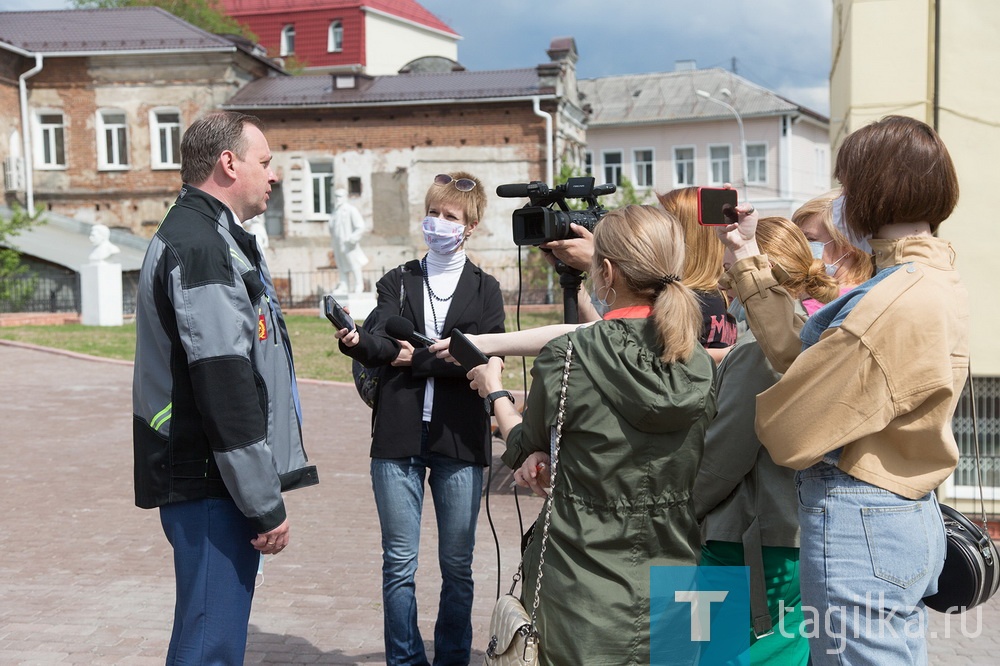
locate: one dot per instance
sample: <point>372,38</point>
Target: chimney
<point>685,65</point>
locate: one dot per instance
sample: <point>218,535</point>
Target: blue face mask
<point>817,248</point>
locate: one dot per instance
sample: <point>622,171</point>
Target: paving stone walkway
<point>86,577</point>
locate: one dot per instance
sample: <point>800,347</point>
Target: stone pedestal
<point>101,294</point>
<point>360,304</point>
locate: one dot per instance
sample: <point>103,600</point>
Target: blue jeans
<point>215,566</point>
<point>456,487</point>
<point>868,558</point>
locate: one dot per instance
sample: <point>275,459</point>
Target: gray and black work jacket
<point>215,409</point>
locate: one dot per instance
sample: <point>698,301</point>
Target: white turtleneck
<point>443,273</point>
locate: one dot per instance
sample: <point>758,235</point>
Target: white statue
<point>100,236</point>
<point>346,229</point>
<point>255,225</point>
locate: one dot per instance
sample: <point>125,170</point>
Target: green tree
<point>205,14</point>
<point>626,194</point>
<point>11,265</point>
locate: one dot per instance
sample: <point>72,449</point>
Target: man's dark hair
<point>895,170</point>
<point>205,140</point>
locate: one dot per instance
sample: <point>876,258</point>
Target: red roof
<point>404,9</point>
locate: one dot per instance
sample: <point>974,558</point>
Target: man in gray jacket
<point>216,419</point>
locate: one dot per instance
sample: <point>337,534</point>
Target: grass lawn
<point>315,347</point>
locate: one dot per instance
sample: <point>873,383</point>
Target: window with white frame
<point>322,187</point>
<point>50,140</point>
<point>588,163</point>
<point>165,138</point>
<point>756,163</point>
<point>288,40</point>
<point>718,161</point>
<point>612,166</point>
<point>112,139</point>
<point>335,37</point>
<point>684,166</point>
<point>642,160</point>
<point>822,166</point>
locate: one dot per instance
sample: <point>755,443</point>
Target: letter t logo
<point>701,609</point>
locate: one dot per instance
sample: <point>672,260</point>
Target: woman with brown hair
<point>864,407</point>
<point>639,398</point>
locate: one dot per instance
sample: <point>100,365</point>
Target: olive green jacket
<point>632,441</point>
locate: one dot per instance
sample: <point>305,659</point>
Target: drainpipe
<point>537,108</point>
<point>29,171</point>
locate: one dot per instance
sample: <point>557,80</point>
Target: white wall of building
<point>797,159</point>
<point>886,66</point>
<point>391,43</point>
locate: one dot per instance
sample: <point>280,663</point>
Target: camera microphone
<point>512,191</point>
<point>402,329</point>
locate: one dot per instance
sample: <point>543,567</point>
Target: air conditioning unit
<point>13,174</point>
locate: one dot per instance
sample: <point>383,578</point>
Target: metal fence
<point>37,293</point>
<point>304,289</point>
<point>56,293</point>
<point>987,412</point>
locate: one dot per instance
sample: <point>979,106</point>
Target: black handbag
<point>971,573</point>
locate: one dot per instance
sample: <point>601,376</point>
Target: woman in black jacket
<point>427,422</point>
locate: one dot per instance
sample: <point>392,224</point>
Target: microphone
<point>512,191</point>
<point>402,329</point>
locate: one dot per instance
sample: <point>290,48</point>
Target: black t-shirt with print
<point>719,327</point>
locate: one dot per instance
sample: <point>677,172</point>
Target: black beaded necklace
<point>433,296</point>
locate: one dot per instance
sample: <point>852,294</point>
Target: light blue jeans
<point>868,558</point>
<point>456,487</point>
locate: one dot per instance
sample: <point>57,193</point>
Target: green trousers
<point>787,646</point>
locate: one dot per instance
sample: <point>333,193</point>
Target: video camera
<point>539,222</point>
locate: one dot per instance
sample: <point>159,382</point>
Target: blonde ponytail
<point>646,246</point>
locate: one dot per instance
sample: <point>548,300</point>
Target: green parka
<point>632,441</point>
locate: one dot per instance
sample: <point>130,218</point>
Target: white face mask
<point>860,242</point>
<point>442,236</point>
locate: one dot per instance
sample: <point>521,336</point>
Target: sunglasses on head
<point>462,184</point>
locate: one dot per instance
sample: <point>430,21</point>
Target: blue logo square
<point>699,615</point>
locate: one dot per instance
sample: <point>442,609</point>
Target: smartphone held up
<point>335,312</point>
<point>717,206</point>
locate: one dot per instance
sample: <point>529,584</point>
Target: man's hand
<point>577,253</point>
<point>274,541</point>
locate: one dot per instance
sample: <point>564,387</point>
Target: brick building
<point>371,37</point>
<point>384,138</point>
<point>94,103</point>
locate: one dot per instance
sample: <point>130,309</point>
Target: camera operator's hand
<point>740,238</point>
<point>574,252</point>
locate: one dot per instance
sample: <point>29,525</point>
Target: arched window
<point>288,40</point>
<point>335,38</point>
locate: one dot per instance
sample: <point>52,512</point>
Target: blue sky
<point>783,45</point>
